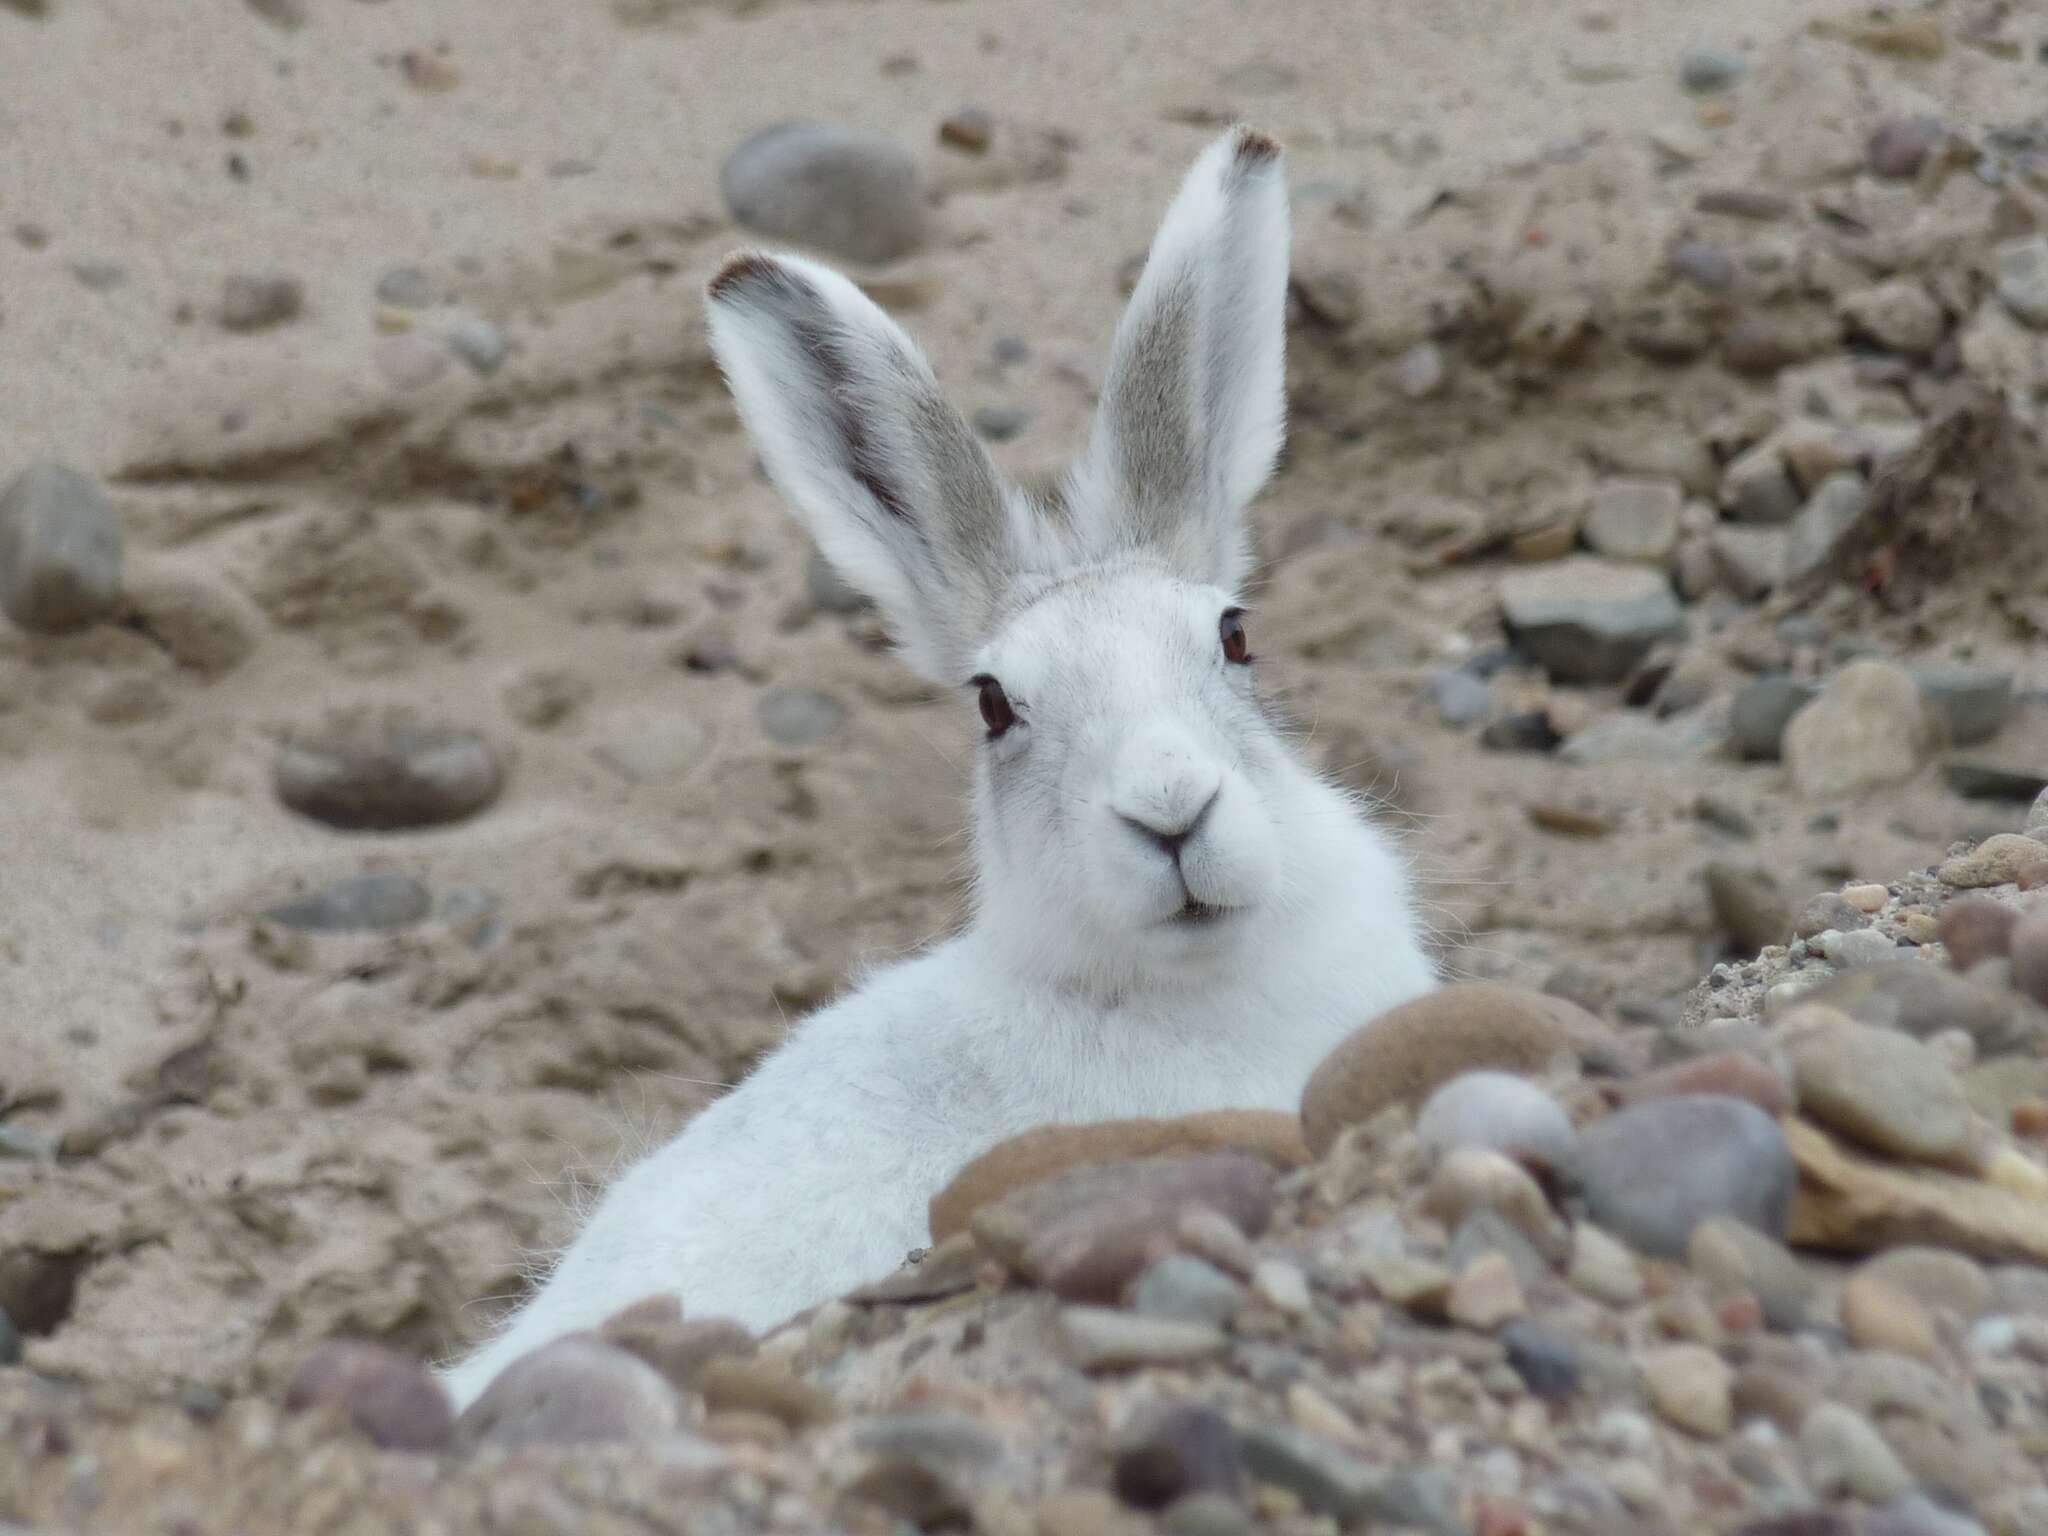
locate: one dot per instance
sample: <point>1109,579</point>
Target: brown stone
<point>678,1347</point>
<point>1976,928</point>
<point>1848,1204</point>
<point>756,1386</point>
<point>390,1397</point>
<point>1732,1074</point>
<point>1878,1315</point>
<point>1406,1052</point>
<point>1039,1154</point>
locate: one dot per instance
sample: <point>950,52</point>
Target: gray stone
<point>1830,514</point>
<point>25,1143</point>
<point>1757,486</point>
<point>1898,314</point>
<point>1846,951</point>
<point>366,770</point>
<point>1332,1481</point>
<point>1420,371</point>
<point>1000,423</point>
<point>10,1339</point>
<point>406,288</point>
<point>380,900</point>
<point>575,1391</point>
<point>1187,1289</point>
<point>2037,815</point>
<point>1173,1451</point>
<point>1106,1338</point>
<point>1973,702</point>
<point>2023,277</point>
<point>1842,1452</point>
<point>798,717</point>
<point>1703,263</point>
<point>1548,1361</point>
<point>1499,1112</point>
<point>1588,620</point>
<point>1652,1172</point>
<point>480,344</point>
<point>60,550</point>
<point>1869,729</point>
<point>1982,780</point>
<point>1636,518</point>
<point>1711,69</point>
<point>1884,1089</point>
<point>1920,1514</point>
<point>1749,559</point>
<point>1460,697</point>
<point>855,194</point>
<point>1898,146</point>
<point>1761,711</point>
<point>256,301</point>
<point>1730,1256</point>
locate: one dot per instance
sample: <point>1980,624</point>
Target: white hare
<point>1171,911</point>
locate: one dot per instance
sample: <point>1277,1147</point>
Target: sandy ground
<point>269,1136</point>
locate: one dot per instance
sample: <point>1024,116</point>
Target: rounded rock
<point>1886,1090</point>
<point>379,901</point>
<point>575,1391</point>
<point>855,194</point>
<point>1975,928</point>
<point>1997,860</point>
<point>1499,1112</point>
<point>1721,1074</point>
<point>1411,1050</point>
<point>1870,729</point>
<point>205,625</point>
<point>390,1397</point>
<point>1730,1257</point>
<point>1878,1315</point>
<point>1174,1451</point>
<point>1652,1172</point>
<point>60,550</point>
<point>387,770</point>
<point>2029,958</point>
<point>1692,1387</point>
<point>1842,1453</point>
<point>1935,1277</point>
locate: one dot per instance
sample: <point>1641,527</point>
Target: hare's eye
<point>996,712</point>
<point>1236,644</point>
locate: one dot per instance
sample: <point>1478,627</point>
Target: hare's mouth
<point>1196,914</point>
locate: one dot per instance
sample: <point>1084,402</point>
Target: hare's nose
<point>1170,835</point>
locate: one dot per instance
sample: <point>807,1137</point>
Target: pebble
<point>1748,559</point>
<point>405,288</point>
<point>1691,1387</point>
<point>1650,1173</point>
<point>1499,1112</point>
<point>1859,947</point>
<point>1973,702</point>
<point>26,1144</point>
<point>1460,697</point>
<point>1332,1481</point>
<point>798,717</point>
<point>2029,958</point>
<point>1187,1289</point>
<point>1420,371</point>
<point>1898,314</point>
<point>1547,1361</point>
<point>60,550</point>
<point>1878,1315</point>
<point>1841,1452</point>
<point>387,1395</point>
<point>1936,1277</point>
<point>1919,1514</point>
<point>575,1391</point>
<point>1588,620</point>
<point>829,591</point>
<point>1603,1268</point>
<point>2023,277</point>
<point>743,1383</point>
<point>1000,423</point>
<point>1976,928</point>
<point>1761,711</point>
<point>387,770</point>
<point>1869,729</point>
<point>410,360</point>
<point>1731,1074</point>
<point>852,193</point>
<point>1730,1256</point>
<point>202,623</point>
<point>1886,1090</point>
<point>1923,1000</point>
<point>1757,486</point>
<point>1633,517</point>
<point>379,901</point>
<point>1997,860</point>
<point>1711,69</point>
<point>1485,1294</point>
<point>1827,517</point>
<point>1409,1051</point>
<point>1106,1338</point>
<point>680,1348</point>
<point>1703,263</point>
<point>1898,146</point>
<point>1174,1451</point>
<point>480,344</point>
<point>1283,1287</point>
<point>256,301</point>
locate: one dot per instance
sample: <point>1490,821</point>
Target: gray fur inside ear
<point>888,477</point>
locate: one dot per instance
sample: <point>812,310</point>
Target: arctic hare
<point>1171,911</point>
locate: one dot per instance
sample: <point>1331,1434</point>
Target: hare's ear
<point>888,478</point>
<point>1194,403</point>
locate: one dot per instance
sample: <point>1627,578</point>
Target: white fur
<point>1074,994</point>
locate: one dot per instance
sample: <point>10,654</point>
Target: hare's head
<point>1131,793</point>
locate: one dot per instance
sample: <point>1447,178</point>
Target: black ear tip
<point>741,267</point>
<point>1255,149</point>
